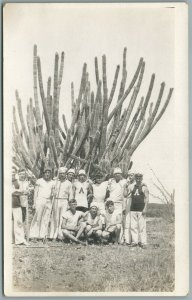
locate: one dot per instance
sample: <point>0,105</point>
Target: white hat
<point>117,171</point>
<point>71,171</point>
<point>94,204</point>
<point>131,172</point>
<point>82,172</point>
<point>62,170</point>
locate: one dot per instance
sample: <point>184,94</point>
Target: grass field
<point>110,268</point>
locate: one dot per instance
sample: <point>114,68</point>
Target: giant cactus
<point>98,138</point>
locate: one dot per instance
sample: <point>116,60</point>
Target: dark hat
<point>47,169</point>
<point>109,202</point>
<point>138,175</point>
<point>72,201</point>
<point>98,176</point>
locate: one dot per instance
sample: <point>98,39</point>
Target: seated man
<point>93,223</point>
<point>72,226</point>
<point>113,223</point>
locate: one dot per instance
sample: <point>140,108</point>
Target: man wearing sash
<point>42,204</point>
<point>139,199</point>
<point>82,192</point>
<point>63,193</point>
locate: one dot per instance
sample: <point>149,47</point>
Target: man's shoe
<point>143,246</point>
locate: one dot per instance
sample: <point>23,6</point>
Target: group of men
<point>76,209</point>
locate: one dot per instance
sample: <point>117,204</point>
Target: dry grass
<point>71,268</point>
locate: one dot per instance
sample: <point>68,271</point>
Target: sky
<point>89,30</point>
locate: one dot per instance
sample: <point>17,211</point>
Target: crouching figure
<point>112,223</point>
<point>73,227</point>
<point>93,221</point>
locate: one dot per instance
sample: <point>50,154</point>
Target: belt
<point>62,199</point>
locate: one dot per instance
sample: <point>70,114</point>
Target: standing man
<point>17,192</point>
<point>63,193</point>
<point>126,208</point>
<point>71,175</point>
<point>99,193</point>
<point>24,184</point>
<point>139,199</point>
<point>82,192</point>
<point>42,204</point>
<point>116,189</point>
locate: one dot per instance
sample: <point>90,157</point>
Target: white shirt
<point>99,191</point>
<point>116,190</point>
<point>90,220</point>
<point>24,186</point>
<point>44,188</point>
<point>64,190</point>
<point>72,219</point>
<point>111,219</point>
<point>81,189</point>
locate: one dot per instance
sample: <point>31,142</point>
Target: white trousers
<point>118,209</point>
<point>40,222</point>
<point>138,227</point>
<point>59,207</point>
<point>127,221</point>
<point>127,227</point>
<point>18,229</point>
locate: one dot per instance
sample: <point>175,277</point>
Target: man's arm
<point>70,193</point>
<point>36,190</point>
<point>89,193</point>
<point>146,200</point>
<point>73,190</point>
<point>81,217</point>
<point>125,190</point>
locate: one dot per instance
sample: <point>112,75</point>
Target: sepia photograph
<point>95,149</point>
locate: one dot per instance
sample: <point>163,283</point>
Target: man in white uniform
<point>72,223</point>
<point>113,223</point>
<point>24,185</point>
<point>139,194</point>
<point>93,223</point>
<point>42,204</point>
<point>116,189</point>
<point>126,208</point>
<point>18,230</point>
<point>99,193</point>
<point>71,175</point>
<point>62,194</point>
<point>82,191</point>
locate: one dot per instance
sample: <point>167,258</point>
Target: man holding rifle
<point>63,193</point>
<point>42,204</point>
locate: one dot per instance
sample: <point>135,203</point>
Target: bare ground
<point>60,267</point>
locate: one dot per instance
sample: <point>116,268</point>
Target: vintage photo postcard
<point>96,149</point>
